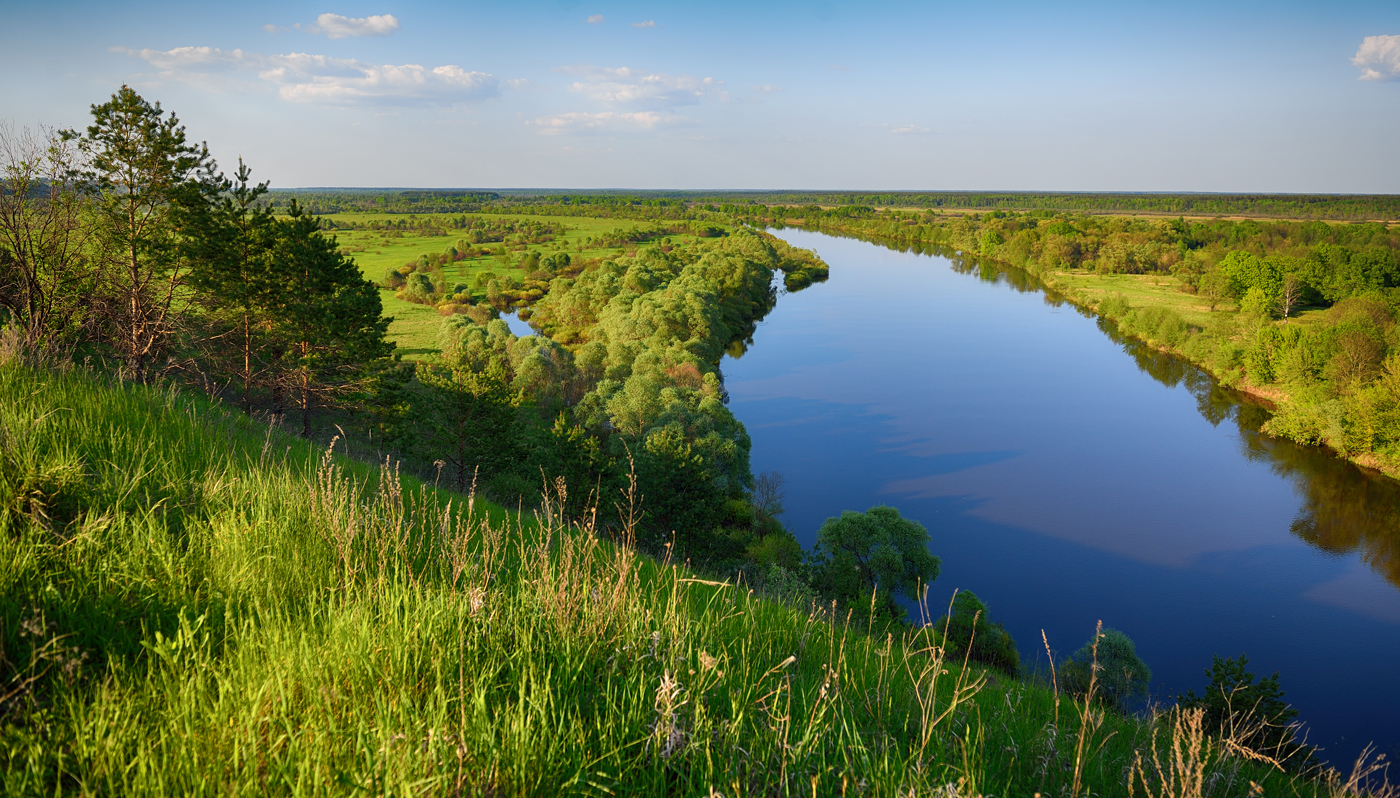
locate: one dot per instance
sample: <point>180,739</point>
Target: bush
<point>778,548</point>
<point>788,586</point>
<point>419,288</point>
<point>1253,714</point>
<point>967,625</point>
<point>1114,306</point>
<point>1121,674</point>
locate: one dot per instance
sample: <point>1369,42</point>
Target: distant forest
<point>1342,207</point>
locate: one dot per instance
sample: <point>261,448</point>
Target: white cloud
<point>606,122</point>
<point>767,88</point>
<point>651,23</point>
<point>906,129</point>
<point>308,78</point>
<point>1378,58</point>
<point>334,26</point>
<point>634,88</point>
<point>270,28</point>
<point>194,59</point>
<point>594,19</point>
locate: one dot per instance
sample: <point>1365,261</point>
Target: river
<point>1067,476</point>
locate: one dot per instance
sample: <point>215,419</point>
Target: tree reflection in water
<point>1345,508</point>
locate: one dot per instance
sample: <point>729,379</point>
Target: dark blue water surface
<point>1067,476</point>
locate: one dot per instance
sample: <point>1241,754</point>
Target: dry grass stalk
<point>1184,774</point>
<point>1090,721</point>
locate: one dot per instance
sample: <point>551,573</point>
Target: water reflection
<point>1346,509</point>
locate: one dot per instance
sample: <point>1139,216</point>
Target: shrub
<point>1121,674</point>
<point>990,644</point>
<point>1114,306</point>
<point>1253,714</point>
<point>788,586</point>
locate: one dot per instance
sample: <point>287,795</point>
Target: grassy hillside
<point>193,603</point>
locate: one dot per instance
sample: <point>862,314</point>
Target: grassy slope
<point>215,607</point>
<point>415,327</point>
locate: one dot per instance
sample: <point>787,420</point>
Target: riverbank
<point>1123,298</point>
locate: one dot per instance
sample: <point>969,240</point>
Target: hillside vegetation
<point>192,602</point>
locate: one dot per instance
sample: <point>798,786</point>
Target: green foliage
<point>968,632</point>
<point>1119,675</point>
<point>1252,714</point>
<point>865,560</point>
<point>468,419</point>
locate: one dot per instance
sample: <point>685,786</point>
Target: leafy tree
<point>1214,287</point>
<point>1252,714</point>
<point>872,556</point>
<point>153,186</point>
<point>45,272</point>
<point>1111,659</point>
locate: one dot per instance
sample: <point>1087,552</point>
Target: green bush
<point>1253,713</point>
<point>1121,675</point>
<point>967,632</point>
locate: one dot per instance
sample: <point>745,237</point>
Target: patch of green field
<point>1141,290</point>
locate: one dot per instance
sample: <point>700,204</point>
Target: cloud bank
<point>606,122</point>
<point>633,88</point>
<point>1378,58</point>
<point>334,26</point>
<point>307,78</point>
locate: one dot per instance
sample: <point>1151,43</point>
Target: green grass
<point>1141,290</point>
<point>194,603</point>
<point>415,327</point>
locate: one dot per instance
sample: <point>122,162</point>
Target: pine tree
<point>234,282</point>
<point>154,186</point>
<point>328,314</point>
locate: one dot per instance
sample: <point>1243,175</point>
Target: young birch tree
<point>45,273</point>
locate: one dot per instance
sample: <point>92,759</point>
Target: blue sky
<point>1038,96</point>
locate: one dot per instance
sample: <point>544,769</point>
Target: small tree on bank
<point>871,558</point>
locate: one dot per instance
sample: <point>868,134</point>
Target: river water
<point>1067,476</point>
